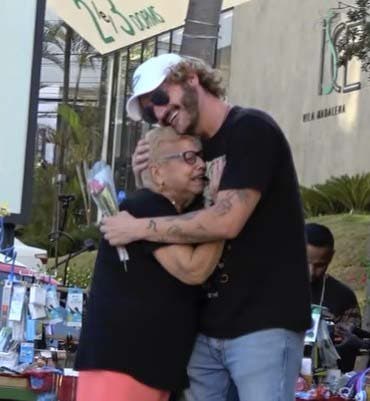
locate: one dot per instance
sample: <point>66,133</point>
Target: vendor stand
<point>38,334</point>
<point>38,385</point>
<point>320,379</point>
<point>28,372</point>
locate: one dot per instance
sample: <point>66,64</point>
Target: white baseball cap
<point>147,77</point>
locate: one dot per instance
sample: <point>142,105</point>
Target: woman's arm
<point>190,264</point>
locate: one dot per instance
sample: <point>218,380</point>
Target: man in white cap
<point>257,303</point>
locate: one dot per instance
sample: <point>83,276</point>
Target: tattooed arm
<point>223,220</point>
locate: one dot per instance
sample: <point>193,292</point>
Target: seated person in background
<point>354,337</point>
<point>326,291</point>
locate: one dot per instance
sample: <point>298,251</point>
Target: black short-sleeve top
<point>141,322</point>
<point>262,280</point>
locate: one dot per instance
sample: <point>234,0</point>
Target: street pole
<point>8,235</point>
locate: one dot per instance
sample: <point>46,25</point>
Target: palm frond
<point>338,195</point>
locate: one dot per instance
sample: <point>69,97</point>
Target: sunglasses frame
<point>159,97</point>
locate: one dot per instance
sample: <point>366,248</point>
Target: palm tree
<point>201,29</point>
<point>53,43</point>
<point>60,40</point>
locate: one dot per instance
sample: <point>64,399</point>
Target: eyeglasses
<point>159,97</point>
<point>189,156</point>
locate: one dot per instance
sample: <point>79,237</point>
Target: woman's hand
<point>140,159</point>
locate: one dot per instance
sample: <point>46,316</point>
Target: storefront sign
<point>324,113</point>
<point>334,78</point>
<point>334,31</point>
<point>109,25</point>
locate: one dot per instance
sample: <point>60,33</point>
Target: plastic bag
<point>102,189</point>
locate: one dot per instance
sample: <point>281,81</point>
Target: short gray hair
<point>156,137</point>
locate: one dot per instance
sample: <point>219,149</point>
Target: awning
<point>24,272</point>
<point>109,25</point>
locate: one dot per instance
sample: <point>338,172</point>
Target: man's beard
<point>190,103</point>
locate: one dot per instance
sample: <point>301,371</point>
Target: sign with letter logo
<point>334,30</point>
<point>109,25</point>
<point>335,78</point>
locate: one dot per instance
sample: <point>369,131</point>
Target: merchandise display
<point>34,356</point>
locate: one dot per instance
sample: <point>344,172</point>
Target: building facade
<point>284,60</point>
<point>279,56</point>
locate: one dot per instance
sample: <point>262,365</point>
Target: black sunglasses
<point>189,156</point>
<point>159,97</point>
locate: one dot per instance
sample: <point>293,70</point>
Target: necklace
<point>323,291</point>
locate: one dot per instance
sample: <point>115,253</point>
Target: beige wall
<point>275,65</point>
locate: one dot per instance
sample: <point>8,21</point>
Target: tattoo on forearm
<point>242,194</point>
<point>200,227</point>
<point>152,225</point>
<point>223,206</point>
<point>174,230</point>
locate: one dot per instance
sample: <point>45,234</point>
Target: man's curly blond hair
<point>209,78</point>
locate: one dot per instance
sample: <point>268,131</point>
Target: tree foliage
<point>84,144</point>
<point>357,43</point>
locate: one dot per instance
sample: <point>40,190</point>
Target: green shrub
<point>344,194</point>
<point>315,202</point>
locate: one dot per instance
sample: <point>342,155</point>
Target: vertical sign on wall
<point>21,44</point>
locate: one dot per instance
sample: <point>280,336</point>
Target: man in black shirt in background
<point>257,302</point>
<point>339,299</point>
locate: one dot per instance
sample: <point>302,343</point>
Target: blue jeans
<point>263,365</point>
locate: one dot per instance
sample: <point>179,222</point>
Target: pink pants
<point>104,385</point>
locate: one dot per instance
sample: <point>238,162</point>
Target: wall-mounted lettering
<point>328,80</point>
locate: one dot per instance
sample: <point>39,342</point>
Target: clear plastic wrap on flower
<point>101,187</point>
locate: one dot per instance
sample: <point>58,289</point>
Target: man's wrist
<point>143,228</point>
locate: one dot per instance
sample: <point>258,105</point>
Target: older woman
<point>141,324</point>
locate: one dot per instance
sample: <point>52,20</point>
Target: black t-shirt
<point>338,298</point>
<point>262,280</point>
<point>141,322</point>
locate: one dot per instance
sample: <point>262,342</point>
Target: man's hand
<point>119,229</point>
<point>140,160</point>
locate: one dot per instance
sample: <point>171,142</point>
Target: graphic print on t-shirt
<point>214,170</point>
